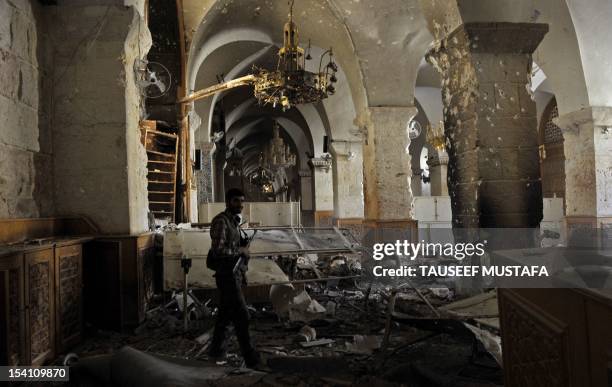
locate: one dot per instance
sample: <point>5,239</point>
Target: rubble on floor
<point>332,333</point>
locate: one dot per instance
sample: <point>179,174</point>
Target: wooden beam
<point>183,120</point>
<point>207,92</point>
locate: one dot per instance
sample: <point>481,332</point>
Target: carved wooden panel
<point>535,345</point>
<point>40,333</point>
<point>146,264</point>
<point>68,261</point>
<point>15,318</point>
<point>12,324</point>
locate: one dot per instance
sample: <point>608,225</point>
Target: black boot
<point>252,359</point>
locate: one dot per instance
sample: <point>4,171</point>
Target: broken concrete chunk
<point>307,334</point>
<point>304,308</point>
<point>296,307</point>
<point>444,293</point>
<point>491,342</point>
<point>364,344</point>
<point>204,337</point>
<point>280,297</point>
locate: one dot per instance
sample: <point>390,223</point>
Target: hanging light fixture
<point>290,84</point>
<point>277,154</point>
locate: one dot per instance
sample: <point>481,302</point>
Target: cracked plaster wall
<point>25,151</point>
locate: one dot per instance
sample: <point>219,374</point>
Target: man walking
<point>228,257</point>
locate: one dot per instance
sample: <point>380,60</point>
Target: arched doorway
<point>552,159</point>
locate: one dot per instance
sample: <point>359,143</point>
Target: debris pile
<point>335,332</point>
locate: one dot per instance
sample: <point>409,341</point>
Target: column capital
<point>597,116</point>
<point>437,158</point>
<point>498,37</point>
<point>321,163</point>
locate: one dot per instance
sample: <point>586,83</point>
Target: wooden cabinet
<point>12,309</point>
<point>40,303</point>
<point>39,306</point>
<point>40,287</point>
<point>68,296</point>
<point>556,337</point>
<point>118,275</point>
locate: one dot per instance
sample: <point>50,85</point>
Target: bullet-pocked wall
<point>69,105</point>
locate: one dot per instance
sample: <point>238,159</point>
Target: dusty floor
<point>434,356</point>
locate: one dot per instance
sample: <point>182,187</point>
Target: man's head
<point>233,200</point>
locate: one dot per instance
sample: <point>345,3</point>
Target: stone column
<point>438,162</point>
<point>348,181</point>
<point>491,124</point>
<point>323,190</point>
<point>416,182</point>
<point>204,177</point>
<point>306,190</point>
<point>587,137</point>
<point>386,164</point>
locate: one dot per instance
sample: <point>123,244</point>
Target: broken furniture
<point>269,241</point>
<point>118,275</point>
<point>40,287</point>
<point>263,273</point>
<point>162,151</point>
<point>475,317</point>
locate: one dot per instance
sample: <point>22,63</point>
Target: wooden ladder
<point>162,149</point>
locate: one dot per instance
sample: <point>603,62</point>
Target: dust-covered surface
<point>342,343</point>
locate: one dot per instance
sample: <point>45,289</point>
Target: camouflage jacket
<point>225,242</point>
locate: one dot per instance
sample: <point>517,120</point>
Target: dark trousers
<point>232,309</point>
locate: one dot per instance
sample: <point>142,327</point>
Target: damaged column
<point>587,137</point>
<point>204,176</point>
<point>490,123</point>
<point>386,167</point>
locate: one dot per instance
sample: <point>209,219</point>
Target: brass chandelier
<point>278,154</point>
<point>290,84</point>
